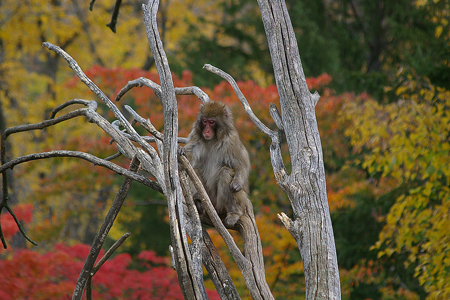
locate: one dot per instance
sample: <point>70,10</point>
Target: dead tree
<point>305,186</point>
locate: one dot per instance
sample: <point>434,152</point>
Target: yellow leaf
<point>400,90</point>
<point>427,190</point>
<point>438,31</point>
<point>420,3</point>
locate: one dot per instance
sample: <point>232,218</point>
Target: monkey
<point>220,160</point>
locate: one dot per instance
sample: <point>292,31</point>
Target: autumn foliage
<point>31,275</point>
<point>28,274</point>
<point>407,142</point>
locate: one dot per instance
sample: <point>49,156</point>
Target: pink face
<point>208,128</point>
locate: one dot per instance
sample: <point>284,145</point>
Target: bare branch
<point>123,143</point>
<point>256,285</point>
<point>194,230</point>
<point>114,156</point>
<point>141,81</point>
<point>4,204</point>
<point>129,128</point>
<point>315,98</point>
<point>9,131</point>
<point>74,66</point>
<point>150,164</point>
<point>28,127</point>
<point>145,123</point>
<point>275,114</point>
<point>100,263</point>
<point>114,16</point>
<point>103,232</point>
<point>88,157</point>
<point>110,252</point>
<point>241,97</point>
<point>217,270</point>
<point>193,90</point>
<point>91,5</point>
<point>72,102</point>
<point>42,125</point>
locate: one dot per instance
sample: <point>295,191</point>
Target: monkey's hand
<point>181,150</point>
<point>199,204</point>
<point>236,185</point>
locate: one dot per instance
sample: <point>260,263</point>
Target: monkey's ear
<point>227,113</point>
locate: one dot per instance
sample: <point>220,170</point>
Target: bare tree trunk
<point>186,273</point>
<point>305,186</point>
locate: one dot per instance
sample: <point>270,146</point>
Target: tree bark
<point>305,186</point>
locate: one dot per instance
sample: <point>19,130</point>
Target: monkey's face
<point>208,128</point>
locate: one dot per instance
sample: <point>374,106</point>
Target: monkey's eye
<point>210,122</point>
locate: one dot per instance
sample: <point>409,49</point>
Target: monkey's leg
<point>196,196</point>
<point>229,203</point>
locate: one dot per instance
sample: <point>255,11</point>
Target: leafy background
<point>382,69</point>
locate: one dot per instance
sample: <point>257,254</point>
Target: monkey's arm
<point>188,147</point>
<point>240,163</point>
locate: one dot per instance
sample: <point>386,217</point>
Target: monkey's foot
<point>231,219</point>
<point>181,150</point>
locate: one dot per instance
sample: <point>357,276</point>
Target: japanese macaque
<point>220,160</point>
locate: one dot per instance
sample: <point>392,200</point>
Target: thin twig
<point>70,102</point>
<point>114,156</point>
<point>142,81</point>
<point>103,232</point>
<point>4,204</point>
<point>91,5</point>
<point>110,252</point>
<point>145,123</point>
<point>100,263</point>
<point>20,226</point>
<point>114,16</point>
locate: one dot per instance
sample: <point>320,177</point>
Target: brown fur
<point>222,162</point>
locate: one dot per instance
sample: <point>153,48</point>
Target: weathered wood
<point>188,282</point>
<point>305,186</point>
<point>252,264</point>
<point>217,270</point>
